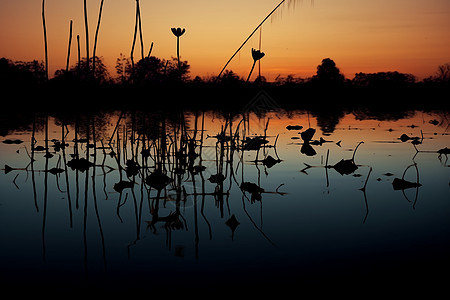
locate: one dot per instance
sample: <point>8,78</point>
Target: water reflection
<point>218,188</point>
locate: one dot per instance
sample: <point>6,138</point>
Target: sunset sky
<point>410,36</point>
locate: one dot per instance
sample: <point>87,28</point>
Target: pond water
<point>196,200</point>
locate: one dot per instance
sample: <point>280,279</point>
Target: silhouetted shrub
<point>79,72</point>
<point>24,73</point>
<point>383,79</point>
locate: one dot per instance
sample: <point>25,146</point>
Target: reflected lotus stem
<point>354,152</point>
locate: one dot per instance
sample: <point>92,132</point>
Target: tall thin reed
<point>87,35</point>
<point>70,44</point>
<point>136,25</point>
<point>45,39</point>
<point>260,46</point>
<point>79,54</point>
<point>134,40</point>
<point>150,51</point>
<point>246,40</point>
<point>140,29</point>
<point>96,37</point>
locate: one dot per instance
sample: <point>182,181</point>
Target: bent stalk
<point>251,71</point>
<point>246,40</point>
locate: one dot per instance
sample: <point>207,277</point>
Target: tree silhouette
<point>230,78</point>
<point>12,73</point>
<point>123,68</point>
<point>149,70</point>
<point>153,70</point>
<point>328,73</point>
<point>176,70</point>
<point>443,73</point>
<point>78,73</point>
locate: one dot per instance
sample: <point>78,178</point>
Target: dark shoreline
<point>21,106</point>
<point>84,98</point>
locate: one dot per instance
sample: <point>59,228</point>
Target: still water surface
<point>204,199</point>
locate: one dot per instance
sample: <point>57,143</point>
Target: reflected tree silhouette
<point>328,119</point>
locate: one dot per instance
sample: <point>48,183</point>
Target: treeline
<point>155,71</point>
<point>152,71</point>
<point>154,83</point>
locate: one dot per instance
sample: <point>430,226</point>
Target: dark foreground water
<point>158,202</point>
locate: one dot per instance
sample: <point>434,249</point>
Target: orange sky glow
<point>410,36</point>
